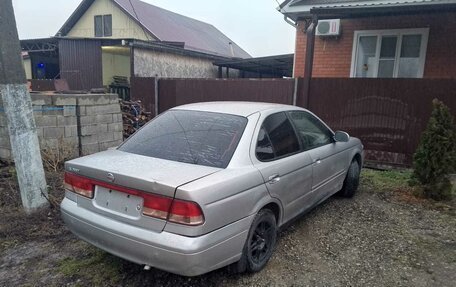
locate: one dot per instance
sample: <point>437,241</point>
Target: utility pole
<point>19,114</point>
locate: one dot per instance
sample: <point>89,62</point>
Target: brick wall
<point>98,125</point>
<point>332,57</point>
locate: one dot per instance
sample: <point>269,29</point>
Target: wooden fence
<point>388,115</point>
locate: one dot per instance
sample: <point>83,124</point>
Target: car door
<point>328,159</point>
<point>286,169</point>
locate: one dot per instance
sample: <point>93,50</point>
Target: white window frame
<point>424,32</point>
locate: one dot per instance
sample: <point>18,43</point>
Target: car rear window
<point>195,137</point>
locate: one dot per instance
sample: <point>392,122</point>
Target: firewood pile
<point>134,116</point>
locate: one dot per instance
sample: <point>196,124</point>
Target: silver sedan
<point>207,185</point>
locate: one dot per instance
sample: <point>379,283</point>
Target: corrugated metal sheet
<point>176,92</point>
<point>81,64</point>
<point>170,26</point>
<point>388,115</point>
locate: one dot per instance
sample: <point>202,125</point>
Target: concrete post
<point>19,114</point>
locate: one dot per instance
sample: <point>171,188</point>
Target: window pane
<point>411,45</point>
<point>408,67</point>
<point>312,131</point>
<point>264,149</point>
<point>98,26</point>
<point>107,25</point>
<point>385,69</point>
<point>281,134</point>
<point>388,48</point>
<point>201,138</point>
<point>365,62</point>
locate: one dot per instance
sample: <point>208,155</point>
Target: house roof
<point>302,8</point>
<point>168,26</point>
<point>280,65</point>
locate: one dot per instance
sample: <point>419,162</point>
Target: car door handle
<point>317,161</point>
<point>274,178</point>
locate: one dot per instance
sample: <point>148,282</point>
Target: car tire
<point>260,243</point>
<point>351,181</point>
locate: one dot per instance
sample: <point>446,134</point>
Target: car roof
<point>235,108</point>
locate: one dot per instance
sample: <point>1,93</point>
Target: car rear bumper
<point>188,256</point>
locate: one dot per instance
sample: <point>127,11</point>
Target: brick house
<point>375,39</point>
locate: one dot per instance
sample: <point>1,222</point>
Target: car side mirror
<point>340,136</point>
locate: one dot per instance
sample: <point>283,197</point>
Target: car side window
<point>312,132</point>
<point>276,135</point>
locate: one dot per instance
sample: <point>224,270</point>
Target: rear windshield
<point>195,137</point>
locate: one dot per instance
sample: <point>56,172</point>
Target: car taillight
<point>162,207</point>
<point>186,212</point>
<point>78,184</point>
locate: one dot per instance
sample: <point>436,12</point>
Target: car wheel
<point>351,181</point>
<point>260,243</point>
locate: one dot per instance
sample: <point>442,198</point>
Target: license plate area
<point>118,202</point>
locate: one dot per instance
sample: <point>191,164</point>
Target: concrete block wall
<point>76,124</point>
<point>100,122</point>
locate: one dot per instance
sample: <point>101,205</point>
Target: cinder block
<point>92,139</point>
<point>37,110</point>
<point>69,111</point>
<point>41,99</point>
<point>90,149</point>
<point>87,120</point>
<point>71,121</point>
<point>50,144</point>
<point>64,100</point>
<point>107,145</point>
<point>117,118</point>
<point>105,109</point>
<point>4,132</point>
<point>5,154</point>
<point>52,111</point>
<point>89,130</point>
<point>118,135</point>
<point>102,128</point>
<point>3,122</point>
<point>95,99</point>
<point>71,131</point>
<point>60,121</point>
<point>46,121</point>
<point>82,110</point>
<point>40,132</point>
<point>115,127</point>
<point>106,137</point>
<point>103,119</point>
<point>53,133</point>
<point>5,142</point>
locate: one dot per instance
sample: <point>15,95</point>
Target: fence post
<point>295,91</point>
<point>156,91</point>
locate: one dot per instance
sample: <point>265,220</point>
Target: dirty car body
<point>188,192</point>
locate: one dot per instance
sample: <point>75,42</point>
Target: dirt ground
<point>382,237</point>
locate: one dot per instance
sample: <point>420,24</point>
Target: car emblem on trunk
<point>111,177</point>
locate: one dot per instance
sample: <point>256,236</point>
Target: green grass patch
<point>390,180</point>
<point>97,266</point>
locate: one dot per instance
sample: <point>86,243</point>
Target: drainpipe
<point>310,44</point>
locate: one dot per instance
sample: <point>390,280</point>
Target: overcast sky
<point>255,25</point>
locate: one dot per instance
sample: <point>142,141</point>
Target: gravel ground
<point>378,238</point>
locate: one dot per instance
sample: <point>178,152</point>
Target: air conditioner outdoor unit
<point>328,28</point>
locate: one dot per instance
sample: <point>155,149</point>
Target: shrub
<point>435,157</point>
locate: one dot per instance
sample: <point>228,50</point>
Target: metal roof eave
<point>347,11</point>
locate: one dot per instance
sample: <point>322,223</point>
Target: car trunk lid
<point>122,178</point>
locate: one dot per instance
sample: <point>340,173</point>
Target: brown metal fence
<point>175,92</point>
<point>388,115</point>
<point>143,89</point>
